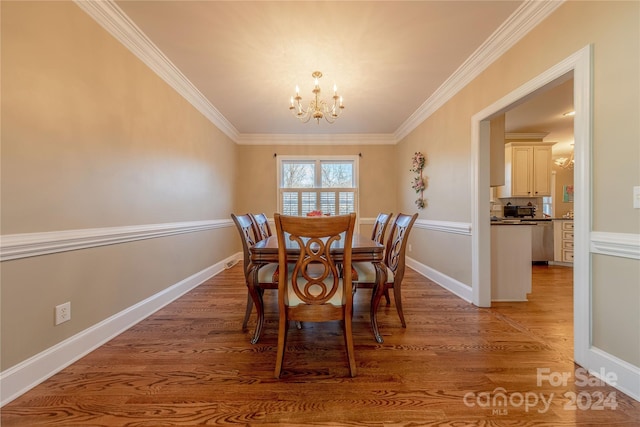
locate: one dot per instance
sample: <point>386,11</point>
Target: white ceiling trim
<point>117,23</point>
<point>316,139</point>
<point>523,20</point>
<point>525,135</point>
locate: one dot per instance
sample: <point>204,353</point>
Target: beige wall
<point>616,297</point>
<point>92,138</point>
<point>613,30</point>
<point>447,193</point>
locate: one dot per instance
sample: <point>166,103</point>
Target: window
<point>547,206</point>
<point>327,184</point>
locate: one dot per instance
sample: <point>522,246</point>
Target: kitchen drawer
<point>567,244</point>
<point>567,225</point>
<point>567,235</point>
<point>567,255</point>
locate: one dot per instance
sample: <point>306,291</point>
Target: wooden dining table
<point>363,250</point>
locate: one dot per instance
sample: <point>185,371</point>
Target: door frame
<point>579,65</point>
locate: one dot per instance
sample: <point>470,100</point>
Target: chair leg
<point>348,340</point>
<point>283,328</point>
<point>256,296</point>
<point>247,313</point>
<point>376,296</point>
<point>397,296</point>
<point>386,296</point>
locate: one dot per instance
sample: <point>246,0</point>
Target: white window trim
<point>356,165</point>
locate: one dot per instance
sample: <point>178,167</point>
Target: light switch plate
<point>636,197</point>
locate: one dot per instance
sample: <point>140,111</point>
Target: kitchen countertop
<point>511,222</point>
<point>523,221</point>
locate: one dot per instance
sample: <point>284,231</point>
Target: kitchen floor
<point>552,292</point>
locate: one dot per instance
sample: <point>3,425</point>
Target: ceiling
<point>545,113</point>
<point>387,58</point>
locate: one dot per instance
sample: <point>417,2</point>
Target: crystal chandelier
<point>318,108</point>
<point>565,162</point>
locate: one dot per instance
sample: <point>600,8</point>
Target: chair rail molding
<point>452,227</point>
<point>444,226</point>
<point>625,245</point>
<point>16,246</point>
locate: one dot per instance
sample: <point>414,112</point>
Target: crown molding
<point>524,135</point>
<point>316,139</point>
<point>523,20</point>
<point>119,25</point>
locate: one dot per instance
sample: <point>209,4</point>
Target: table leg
<point>256,296</point>
<point>376,296</point>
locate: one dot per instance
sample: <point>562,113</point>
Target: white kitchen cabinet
<point>563,240</point>
<point>527,169</point>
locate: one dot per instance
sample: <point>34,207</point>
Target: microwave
<point>519,211</point>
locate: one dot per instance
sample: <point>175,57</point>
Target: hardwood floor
<point>191,364</point>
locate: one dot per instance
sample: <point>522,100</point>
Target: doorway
<point>577,65</point>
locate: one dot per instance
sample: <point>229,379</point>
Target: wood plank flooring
<point>191,364</point>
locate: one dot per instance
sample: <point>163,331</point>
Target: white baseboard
<point>20,378</point>
<point>627,376</point>
<point>452,285</point>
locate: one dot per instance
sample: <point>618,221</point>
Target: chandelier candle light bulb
<point>317,108</point>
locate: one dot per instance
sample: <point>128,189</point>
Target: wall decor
<point>567,193</point>
<point>418,184</point>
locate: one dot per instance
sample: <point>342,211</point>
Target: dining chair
<point>394,262</point>
<point>262,230</point>
<point>261,224</point>
<point>377,235</point>
<point>380,227</point>
<point>266,273</point>
<point>320,294</point>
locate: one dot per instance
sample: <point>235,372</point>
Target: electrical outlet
<point>636,197</point>
<point>409,247</point>
<point>63,312</point>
